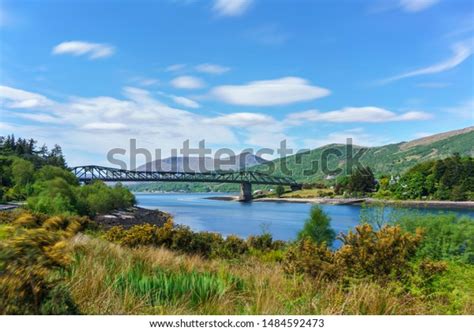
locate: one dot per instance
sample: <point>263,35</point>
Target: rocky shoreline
<point>132,216</point>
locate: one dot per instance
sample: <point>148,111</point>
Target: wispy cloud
<point>274,92</point>
<point>210,68</point>
<point>242,119</point>
<point>358,135</point>
<point>77,121</point>
<point>463,110</point>
<point>175,67</point>
<point>434,85</point>
<point>185,102</point>
<point>268,34</point>
<point>461,51</point>
<point>187,82</point>
<point>355,114</point>
<point>104,126</point>
<point>16,98</point>
<point>231,7</point>
<point>409,6</point>
<point>78,48</point>
<point>414,6</point>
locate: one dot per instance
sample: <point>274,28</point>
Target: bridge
<point>88,173</point>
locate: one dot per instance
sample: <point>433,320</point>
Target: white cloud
<point>280,91</point>
<point>42,118</point>
<point>185,102</point>
<point>175,67</point>
<point>461,51</point>
<point>231,7</point>
<point>241,119</point>
<point>210,68</point>
<point>76,123</point>
<point>77,48</point>
<point>355,114</point>
<point>16,98</point>
<point>416,5</point>
<point>358,135</point>
<point>187,82</point>
<point>104,126</point>
<point>144,81</point>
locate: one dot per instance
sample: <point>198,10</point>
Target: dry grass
<point>266,289</point>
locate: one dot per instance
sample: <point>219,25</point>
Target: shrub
<point>29,263</point>
<point>59,302</point>
<point>318,228</point>
<point>232,247</point>
<point>205,243</point>
<point>445,236</point>
<point>140,235</point>
<point>262,242</point>
<point>115,234</point>
<point>381,254</point>
<point>308,257</point>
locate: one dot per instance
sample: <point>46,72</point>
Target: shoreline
<point>359,201</point>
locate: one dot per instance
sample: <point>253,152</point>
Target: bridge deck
<point>92,172</point>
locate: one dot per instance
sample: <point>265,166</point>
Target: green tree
<point>362,180</point>
<point>318,228</point>
<point>279,190</point>
<point>22,172</point>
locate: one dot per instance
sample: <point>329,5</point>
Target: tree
<point>279,190</point>
<point>361,181</point>
<point>318,228</point>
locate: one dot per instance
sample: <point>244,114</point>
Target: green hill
<point>389,159</point>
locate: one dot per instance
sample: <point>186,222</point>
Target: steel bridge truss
<point>92,172</point>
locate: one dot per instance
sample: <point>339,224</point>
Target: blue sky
<point>90,75</point>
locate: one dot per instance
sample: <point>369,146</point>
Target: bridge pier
<point>245,191</point>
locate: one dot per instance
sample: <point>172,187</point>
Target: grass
<point>303,194</point>
<point>162,286</point>
<point>109,279</point>
<point>4,228</point>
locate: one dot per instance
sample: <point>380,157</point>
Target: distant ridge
<point>436,137</point>
<point>388,159</point>
<point>197,164</point>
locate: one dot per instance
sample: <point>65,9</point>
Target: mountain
<point>388,159</point>
<point>184,164</point>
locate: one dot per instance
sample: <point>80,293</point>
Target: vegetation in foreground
<point>63,265</point>
<point>55,260</point>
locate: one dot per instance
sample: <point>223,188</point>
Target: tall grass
<point>161,286</point>
<point>110,279</point>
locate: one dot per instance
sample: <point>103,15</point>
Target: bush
<point>381,254</point>
<point>59,302</point>
<point>445,236</point>
<point>262,242</point>
<point>140,235</point>
<point>232,247</point>
<point>30,263</point>
<point>308,257</point>
<point>318,228</point>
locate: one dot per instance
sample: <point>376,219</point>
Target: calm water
<point>282,219</point>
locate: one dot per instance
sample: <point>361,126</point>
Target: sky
<point>91,75</point>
